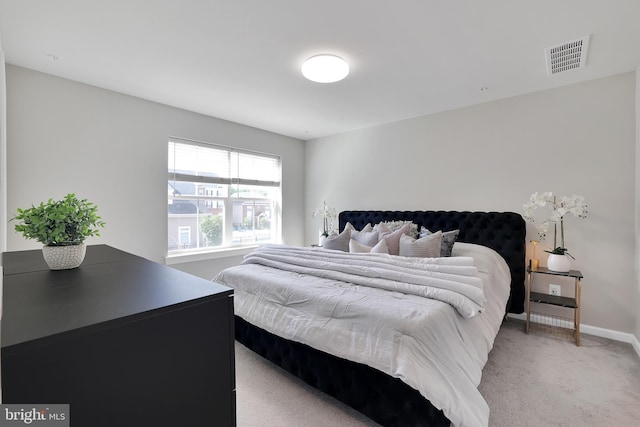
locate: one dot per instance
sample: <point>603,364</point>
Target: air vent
<point>567,56</point>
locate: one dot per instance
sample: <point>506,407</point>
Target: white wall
<point>3,180</point>
<point>111,148</point>
<point>637,212</point>
<point>3,157</point>
<point>577,139</point>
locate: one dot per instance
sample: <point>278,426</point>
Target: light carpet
<point>529,380</point>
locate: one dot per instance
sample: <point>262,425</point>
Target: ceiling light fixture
<point>325,68</point>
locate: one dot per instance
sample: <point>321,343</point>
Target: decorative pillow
<point>338,242</point>
<point>448,239</point>
<point>380,247</point>
<point>395,225</point>
<point>366,236</point>
<point>425,247</point>
<point>393,237</point>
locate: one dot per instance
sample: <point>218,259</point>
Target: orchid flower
<point>328,216</point>
<point>560,207</point>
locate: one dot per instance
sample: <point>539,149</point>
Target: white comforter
<point>451,280</point>
<point>390,326</point>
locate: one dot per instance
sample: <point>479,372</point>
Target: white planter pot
<point>559,263</point>
<point>64,257</point>
<point>321,238</point>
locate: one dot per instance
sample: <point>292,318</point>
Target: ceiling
<point>240,60</point>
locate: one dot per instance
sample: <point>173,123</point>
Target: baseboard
<point>594,330</point>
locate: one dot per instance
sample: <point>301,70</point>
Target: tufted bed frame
<point>385,399</point>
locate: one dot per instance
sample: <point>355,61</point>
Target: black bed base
<point>386,400</point>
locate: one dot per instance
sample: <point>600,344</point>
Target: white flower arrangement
<point>328,214</point>
<point>560,206</point>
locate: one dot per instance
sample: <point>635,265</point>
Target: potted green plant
<point>62,227</point>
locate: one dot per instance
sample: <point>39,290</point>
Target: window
<point>221,197</point>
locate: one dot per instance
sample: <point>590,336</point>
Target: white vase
<point>64,257</point>
<point>558,263</point>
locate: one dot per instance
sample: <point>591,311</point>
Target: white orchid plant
<point>328,215</point>
<point>560,207</point>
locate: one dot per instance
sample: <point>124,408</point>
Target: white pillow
<point>425,247</point>
<point>358,248</point>
<point>393,237</point>
<point>366,236</point>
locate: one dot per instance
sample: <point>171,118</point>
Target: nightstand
<point>559,301</point>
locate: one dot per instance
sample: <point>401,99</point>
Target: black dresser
<point>123,340</point>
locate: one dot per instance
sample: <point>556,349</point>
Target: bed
<point>404,393</point>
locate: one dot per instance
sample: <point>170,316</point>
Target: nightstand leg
<point>526,329</point>
<point>577,310</point>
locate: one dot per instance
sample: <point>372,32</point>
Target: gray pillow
<point>339,242</point>
<point>394,225</point>
<point>448,239</point>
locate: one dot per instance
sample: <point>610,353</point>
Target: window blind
<point>208,163</point>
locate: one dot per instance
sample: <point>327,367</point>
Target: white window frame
<point>229,248</point>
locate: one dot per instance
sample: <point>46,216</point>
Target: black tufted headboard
<point>503,232</point>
